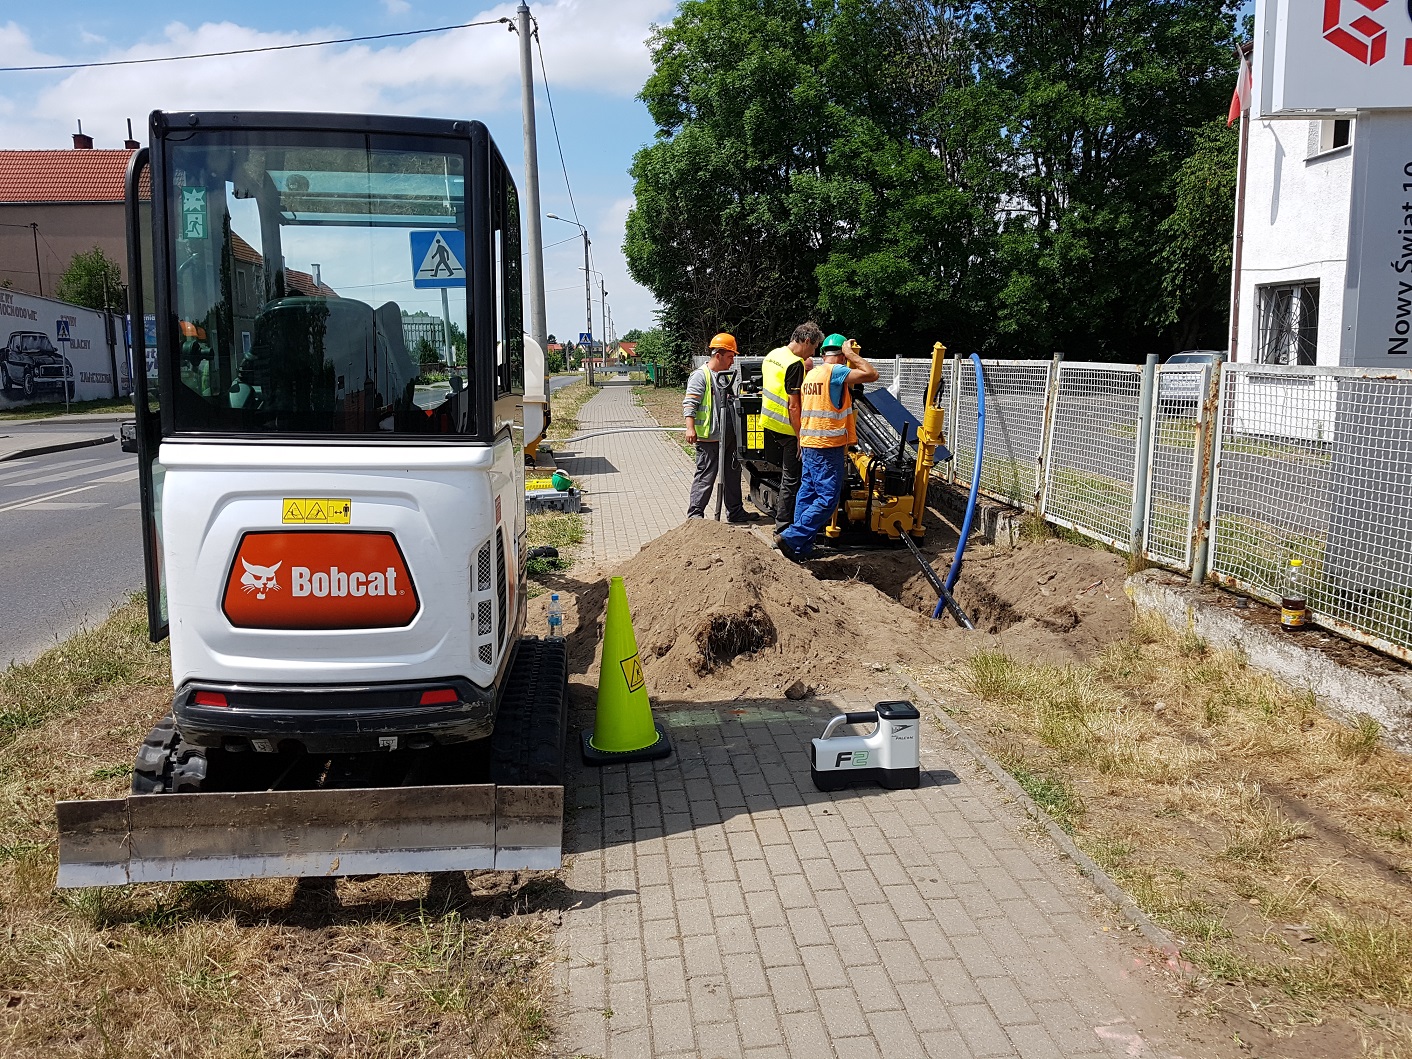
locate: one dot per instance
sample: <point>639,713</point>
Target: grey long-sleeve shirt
<point>724,382</point>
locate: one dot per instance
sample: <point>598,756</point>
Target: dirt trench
<point>718,614</point>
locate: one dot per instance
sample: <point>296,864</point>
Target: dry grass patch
<point>663,403</point>
<point>390,966</point>
<point>1275,841</point>
<point>564,405</point>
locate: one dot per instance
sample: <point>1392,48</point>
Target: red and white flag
<point>1240,98</point>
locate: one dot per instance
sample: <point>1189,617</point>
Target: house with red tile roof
<point>55,204</point>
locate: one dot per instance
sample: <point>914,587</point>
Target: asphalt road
<point>70,544</point>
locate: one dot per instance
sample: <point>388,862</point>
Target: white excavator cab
<point>329,436</point>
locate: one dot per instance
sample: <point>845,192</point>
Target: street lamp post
<point>587,289</point>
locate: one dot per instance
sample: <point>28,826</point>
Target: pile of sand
<point>718,615</point>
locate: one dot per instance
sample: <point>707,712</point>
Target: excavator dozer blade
<point>285,834</point>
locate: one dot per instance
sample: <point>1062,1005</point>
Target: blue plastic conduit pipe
<point>955,572</point>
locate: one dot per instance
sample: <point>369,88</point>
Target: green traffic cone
<point>623,728</point>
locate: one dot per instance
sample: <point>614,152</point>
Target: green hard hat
<point>832,343</point>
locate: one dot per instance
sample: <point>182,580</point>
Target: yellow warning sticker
<point>632,673</point>
<point>316,511</point>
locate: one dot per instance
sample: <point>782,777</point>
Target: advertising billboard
<point>53,351</point>
<point>1329,56</point>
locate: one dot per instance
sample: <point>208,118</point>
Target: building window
<point>1289,324</point>
<point>1329,134</point>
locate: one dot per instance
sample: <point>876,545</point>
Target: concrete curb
<point>994,523</point>
<point>1085,864</point>
<point>63,446</point>
<point>1382,689</point>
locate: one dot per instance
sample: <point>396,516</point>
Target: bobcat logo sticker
<point>319,579</point>
<point>259,579</point>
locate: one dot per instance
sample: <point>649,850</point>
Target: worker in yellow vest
<point>709,410</point>
<point>826,429</point>
<point>782,374</point>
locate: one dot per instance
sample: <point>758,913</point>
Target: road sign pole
<point>446,329</point>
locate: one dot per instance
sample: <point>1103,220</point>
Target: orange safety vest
<point>823,424</point>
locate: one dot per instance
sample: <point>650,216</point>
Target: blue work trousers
<point>820,490</point>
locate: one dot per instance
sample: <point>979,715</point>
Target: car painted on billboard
<point>31,366</point>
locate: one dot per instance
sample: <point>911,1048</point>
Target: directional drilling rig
<point>888,469</point>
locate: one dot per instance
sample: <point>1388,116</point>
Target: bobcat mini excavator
<point>334,543</point>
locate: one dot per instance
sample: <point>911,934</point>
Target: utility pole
<point>604,315</point>
<point>534,237</point>
<point>587,288</point>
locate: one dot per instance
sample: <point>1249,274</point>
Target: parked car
<point>1179,385</point>
<point>29,363</point>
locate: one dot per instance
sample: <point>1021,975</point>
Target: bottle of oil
<point>1294,607</point>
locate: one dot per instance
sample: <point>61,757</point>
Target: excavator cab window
<point>328,275</point>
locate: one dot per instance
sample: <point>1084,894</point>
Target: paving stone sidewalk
<point>722,907</point>
<point>636,483</point>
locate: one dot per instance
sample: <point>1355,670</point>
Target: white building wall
<point>1296,225</point>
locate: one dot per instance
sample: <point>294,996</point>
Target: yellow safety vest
<point>702,419</point>
<point>774,402</point>
<point>823,424</point>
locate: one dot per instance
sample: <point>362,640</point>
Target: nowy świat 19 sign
<point>1333,55</point>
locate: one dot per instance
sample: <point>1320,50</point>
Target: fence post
<point>1144,442</point>
<point>1206,455</point>
<point>1046,436</point>
<point>953,413</point>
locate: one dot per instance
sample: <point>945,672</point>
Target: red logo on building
<point>1363,38</point>
<point>348,579</point>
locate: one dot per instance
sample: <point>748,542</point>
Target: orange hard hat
<point>190,330</point>
<point>724,341</point>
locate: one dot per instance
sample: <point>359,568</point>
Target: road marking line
<point>61,505</point>
<point>121,476</point>
<point>45,470</point>
<point>48,478</point>
<point>49,496</point>
<point>130,507</point>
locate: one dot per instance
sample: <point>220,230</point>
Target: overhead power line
<point>553,121</point>
<point>255,51</point>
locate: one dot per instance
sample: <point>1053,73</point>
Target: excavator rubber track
<point>515,821</point>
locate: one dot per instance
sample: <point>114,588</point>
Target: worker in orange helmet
<point>709,410</point>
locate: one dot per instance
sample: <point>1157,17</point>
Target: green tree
<point>1195,261</point>
<point>656,346</point>
<point>92,280</point>
<point>1000,175</point>
<point>1103,101</point>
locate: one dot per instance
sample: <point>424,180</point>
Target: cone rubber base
<point>651,752</point>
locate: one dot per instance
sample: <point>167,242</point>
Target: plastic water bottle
<point>1294,606</point>
<point>556,616</point>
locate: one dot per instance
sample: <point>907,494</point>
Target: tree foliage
<point>1010,177</point>
<point>93,280</point>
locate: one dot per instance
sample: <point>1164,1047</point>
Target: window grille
<point>1289,324</point>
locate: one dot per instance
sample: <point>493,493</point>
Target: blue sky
<point>594,49</point>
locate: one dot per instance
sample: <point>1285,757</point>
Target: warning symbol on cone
<point>632,673</point>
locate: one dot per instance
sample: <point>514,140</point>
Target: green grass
<point>50,410</point>
<point>116,654</point>
<point>1052,795</point>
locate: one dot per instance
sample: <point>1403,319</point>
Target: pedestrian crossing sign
<point>438,258</point>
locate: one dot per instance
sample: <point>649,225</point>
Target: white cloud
<point>468,72</point>
<point>397,7</point>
